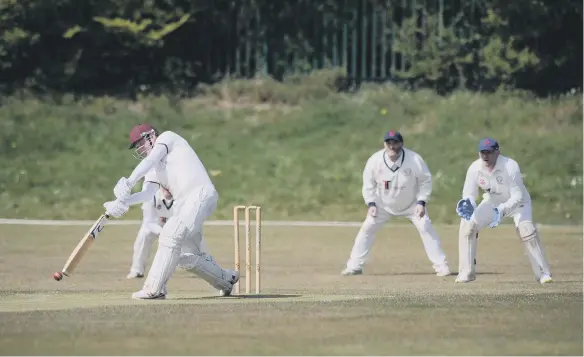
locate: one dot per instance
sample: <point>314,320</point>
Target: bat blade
<point>84,245</point>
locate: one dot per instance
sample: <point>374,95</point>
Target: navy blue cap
<point>393,135</point>
<point>488,144</point>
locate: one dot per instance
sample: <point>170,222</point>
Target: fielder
<point>178,168</point>
<point>396,182</point>
<point>504,195</point>
<point>155,213</point>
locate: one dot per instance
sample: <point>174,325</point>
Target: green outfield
<point>397,308</point>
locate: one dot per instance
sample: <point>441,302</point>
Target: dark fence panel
<point>359,36</point>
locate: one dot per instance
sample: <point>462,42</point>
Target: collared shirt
<point>396,185</point>
<point>503,185</point>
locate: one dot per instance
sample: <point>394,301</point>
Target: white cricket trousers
<point>483,215</point>
<point>143,246</point>
<point>184,230</point>
<point>371,225</point>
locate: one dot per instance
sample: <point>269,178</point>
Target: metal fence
<point>358,35</point>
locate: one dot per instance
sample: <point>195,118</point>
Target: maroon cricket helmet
<point>139,132</point>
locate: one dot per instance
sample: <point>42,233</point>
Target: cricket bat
<point>83,246</point>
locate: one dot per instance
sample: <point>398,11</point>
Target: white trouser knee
<point>431,242</point>
<point>365,238</point>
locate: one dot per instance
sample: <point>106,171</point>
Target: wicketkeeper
<point>504,195</point>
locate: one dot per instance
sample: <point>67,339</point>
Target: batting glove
<point>123,188</point>
<point>464,209</point>
<point>115,208</point>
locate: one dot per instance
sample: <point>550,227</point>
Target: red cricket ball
<point>58,276</point>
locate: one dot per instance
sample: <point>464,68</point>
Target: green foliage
<point>297,149</point>
<point>501,60</point>
<point>475,55</point>
<point>141,29</point>
<point>500,56</point>
<point>432,59</point>
<point>71,32</point>
<point>128,47</point>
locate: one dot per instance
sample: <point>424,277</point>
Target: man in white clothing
<point>155,213</point>
<point>178,168</point>
<point>396,182</point>
<point>505,195</point>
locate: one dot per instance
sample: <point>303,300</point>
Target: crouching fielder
<point>178,168</point>
<point>396,182</point>
<point>505,195</point>
<point>155,213</point>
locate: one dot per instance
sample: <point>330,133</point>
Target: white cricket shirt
<point>155,209</point>
<point>396,186</point>
<point>176,165</point>
<point>503,186</point>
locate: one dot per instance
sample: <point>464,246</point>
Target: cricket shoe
<point>444,271</point>
<point>465,278</point>
<point>233,281</point>
<point>545,279</point>
<point>143,295</point>
<point>351,271</point>
<point>134,275</point>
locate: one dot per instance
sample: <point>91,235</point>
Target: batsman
<point>178,168</point>
<point>505,195</point>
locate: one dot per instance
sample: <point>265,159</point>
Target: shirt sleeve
<point>470,189</point>
<point>147,193</point>
<point>424,180</point>
<point>151,177</point>
<point>369,183</point>
<point>515,189</point>
<point>167,139</point>
<point>158,153</point>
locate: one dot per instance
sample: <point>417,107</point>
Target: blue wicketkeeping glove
<point>496,218</point>
<point>464,209</point>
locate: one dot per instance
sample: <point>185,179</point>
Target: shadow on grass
<point>454,273</point>
<point>251,296</point>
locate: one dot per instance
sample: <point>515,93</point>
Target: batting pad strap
<point>205,267</point>
<point>526,231</point>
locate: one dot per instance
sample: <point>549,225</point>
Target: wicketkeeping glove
<point>496,217</point>
<point>464,209</point>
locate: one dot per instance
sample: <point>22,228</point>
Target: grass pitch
<point>397,308</point>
